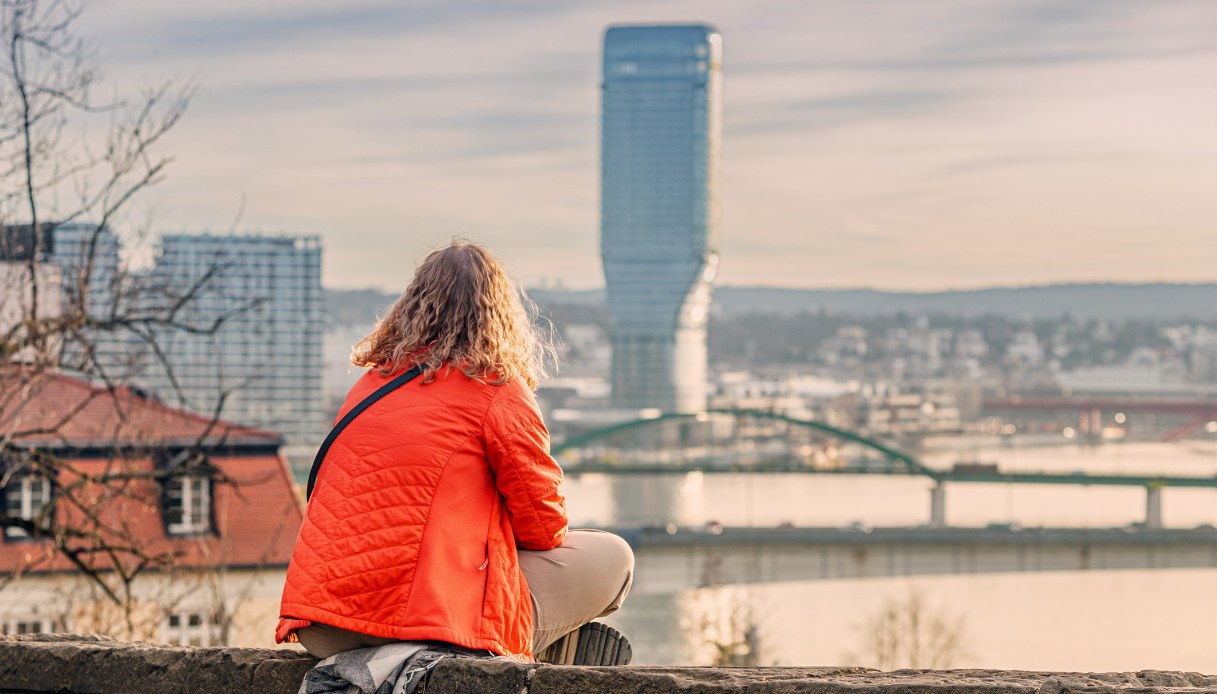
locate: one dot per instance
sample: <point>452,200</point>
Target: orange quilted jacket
<point>412,529</point>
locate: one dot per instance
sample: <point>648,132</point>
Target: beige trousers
<point>586,577</point>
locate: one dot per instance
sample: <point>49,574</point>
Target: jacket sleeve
<point>517,448</point>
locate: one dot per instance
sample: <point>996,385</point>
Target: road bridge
<point>674,559</point>
<point>900,463</point>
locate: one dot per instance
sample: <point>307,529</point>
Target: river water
<point>1091,621</point>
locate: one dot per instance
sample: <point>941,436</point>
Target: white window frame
<point>191,627</point>
<point>25,625</point>
<point>28,506</point>
<point>193,493</point>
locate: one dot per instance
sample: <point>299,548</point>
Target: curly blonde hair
<point>460,311</point>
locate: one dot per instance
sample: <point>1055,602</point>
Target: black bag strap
<point>342,424</point>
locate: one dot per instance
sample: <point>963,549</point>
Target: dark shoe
<point>591,644</point>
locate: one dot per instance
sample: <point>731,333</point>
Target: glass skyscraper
<point>660,143</point>
<point>264,361</point>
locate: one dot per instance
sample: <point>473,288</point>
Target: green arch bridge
<point>903,463</point>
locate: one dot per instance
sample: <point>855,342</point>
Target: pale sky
<point>918,145</point>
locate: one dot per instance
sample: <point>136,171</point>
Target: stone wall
<point>93,665</point>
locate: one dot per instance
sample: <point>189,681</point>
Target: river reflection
<point>1071,621</point>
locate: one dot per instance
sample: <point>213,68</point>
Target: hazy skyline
<point>898,145</point>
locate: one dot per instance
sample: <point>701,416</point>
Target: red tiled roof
<point>256,517</point>
<point>256,509</point>
<point>59,410</point>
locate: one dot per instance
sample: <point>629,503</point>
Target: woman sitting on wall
<point>437,514</point>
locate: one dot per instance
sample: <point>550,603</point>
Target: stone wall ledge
<point>96,665</point>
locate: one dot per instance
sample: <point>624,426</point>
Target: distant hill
<point>355,306</point>
<point>1107,301</point>
<point>364,306</point>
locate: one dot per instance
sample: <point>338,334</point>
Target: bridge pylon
<point>1153,505</point>
<point>938,505</point>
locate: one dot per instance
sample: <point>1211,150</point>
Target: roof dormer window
<point>25,497</point>
<point>186,484</point>
<point>188,505</point>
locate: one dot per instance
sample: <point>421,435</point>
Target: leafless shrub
<point>910,632</point>
<point>722,626</point>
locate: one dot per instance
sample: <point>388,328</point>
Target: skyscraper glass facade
<point>660,141</point>
<point>264,360</point>
<point>89,254</point>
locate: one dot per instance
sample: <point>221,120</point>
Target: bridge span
<point>672,559</point>
<point>899,463</point>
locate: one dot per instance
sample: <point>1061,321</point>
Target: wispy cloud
<point>889,143</point>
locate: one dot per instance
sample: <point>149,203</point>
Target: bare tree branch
<point>65,321</point>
